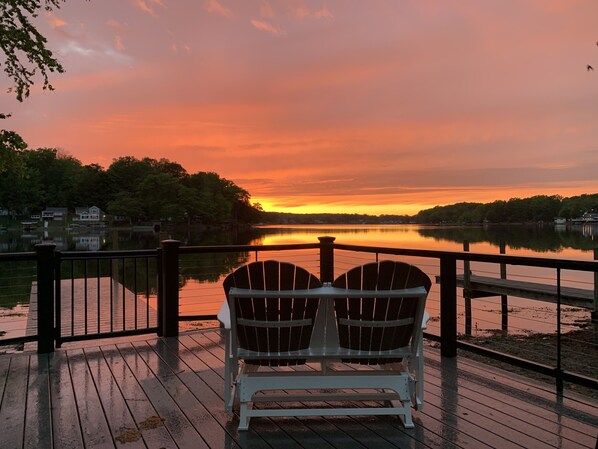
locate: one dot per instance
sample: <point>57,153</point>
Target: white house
<point>92,213</point>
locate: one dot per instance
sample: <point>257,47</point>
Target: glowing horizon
<point>368,107</point>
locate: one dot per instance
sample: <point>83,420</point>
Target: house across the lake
<point>587,217</point>
<point>89,214</point>
<point>55,213</point>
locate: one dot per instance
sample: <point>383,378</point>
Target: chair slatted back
<point>385,275</point>
<point>298,313</point>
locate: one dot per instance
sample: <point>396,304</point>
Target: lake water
<point>201,292</point>
<point>577,242</point>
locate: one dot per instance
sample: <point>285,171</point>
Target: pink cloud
<point>323,13</point>
<point>301,12</point>
<point>266,10</point>
<point>267,27</point>
<point>216,7</point>
<point>118,43</point>
<point>147,6</point>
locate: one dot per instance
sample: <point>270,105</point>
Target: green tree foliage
<point>24,48</point>
<point>11,144</point>
<point>575,206</point>
<point>139,189</point>
<point>164,197</point>
<point>456,213</point>
<point>220,199</point>
<point>516,210</point>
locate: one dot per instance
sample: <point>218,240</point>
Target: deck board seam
<point>131,348</point>
<point>120,385</point>
<point>194,377</point>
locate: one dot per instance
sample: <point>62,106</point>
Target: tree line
<point>139,189</point>
<point>150,189</point>
<point>539,208</point>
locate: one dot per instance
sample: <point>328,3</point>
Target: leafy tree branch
<point>24,47</point>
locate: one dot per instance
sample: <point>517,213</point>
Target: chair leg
<point>419,380</point>
<point>243,418</point>
<point>231,371</point>
<point>228,377</point>
<point>406,418</point>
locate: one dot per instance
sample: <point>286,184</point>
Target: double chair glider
<point>356,339</point>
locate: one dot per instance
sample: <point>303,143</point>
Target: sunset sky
<point>377,106</point>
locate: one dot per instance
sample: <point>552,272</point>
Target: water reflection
<point>538,239</point>
<point>201,273</point>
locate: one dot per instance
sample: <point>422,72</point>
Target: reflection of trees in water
<point>536,238</point>
<point>282,230</point>
<point>209,267</point>
<point>201,267</point>
<point>15,282</point>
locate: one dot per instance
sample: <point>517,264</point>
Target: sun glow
<point>276,205</point>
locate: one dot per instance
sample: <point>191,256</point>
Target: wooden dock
<point>89,308</point>
<point>482,286</point>
<point>167,393</point>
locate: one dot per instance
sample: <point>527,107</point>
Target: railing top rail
<point>581,265</point>
<point>15,257</point>
<point>68,255</point>
<point>245,248</point>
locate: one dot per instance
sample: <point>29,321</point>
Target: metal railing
<point>153,280</point>
<point>104,294</point>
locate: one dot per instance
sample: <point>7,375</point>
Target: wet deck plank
<point>154,393</point>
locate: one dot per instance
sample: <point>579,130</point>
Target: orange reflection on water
<point>394,236</point>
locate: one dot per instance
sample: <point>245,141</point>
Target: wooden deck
<point>167,393</point>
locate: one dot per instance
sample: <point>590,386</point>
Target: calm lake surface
<point>576,242</point>
<point>201,292</point>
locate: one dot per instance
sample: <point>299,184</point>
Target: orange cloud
<point>216,7</point>
<point>55,21</point>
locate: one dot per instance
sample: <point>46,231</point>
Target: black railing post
<point>57,299</point>
<point>595,308</point>
<point>504,302</point>
<point>448,306</point>
<point>559,366</point>
<point>327,258</point>
<point>467,289</point>
<point>45,297</point>
<point>170,288</point>
<point>160,293</point>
